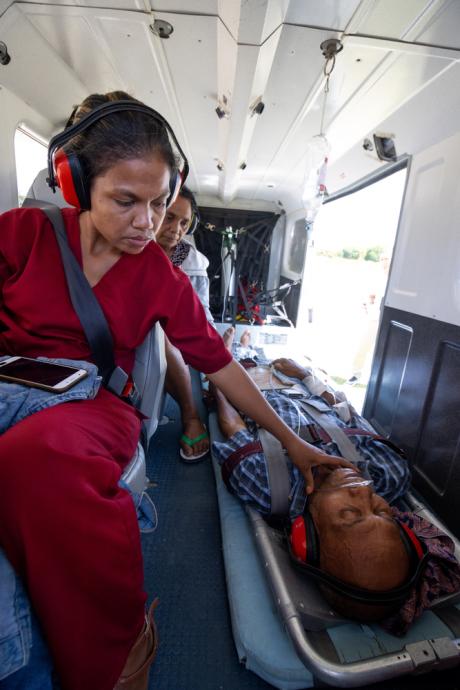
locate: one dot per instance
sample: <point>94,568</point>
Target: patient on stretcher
<point>359,535</point>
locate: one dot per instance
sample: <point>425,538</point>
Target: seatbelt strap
<point>312,433</point>
<point>278,473</point>
<point>337,434</point>
<point>87,307</point>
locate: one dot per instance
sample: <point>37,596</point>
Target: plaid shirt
<point>388,471</point>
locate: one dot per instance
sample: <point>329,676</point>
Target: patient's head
<point>360,542</point>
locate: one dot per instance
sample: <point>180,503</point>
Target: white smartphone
<point>56,378</point>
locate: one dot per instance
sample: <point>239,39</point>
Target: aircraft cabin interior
<point>303,122</point>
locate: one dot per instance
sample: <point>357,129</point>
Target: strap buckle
<point>131,394</point>
<point>120,384</point>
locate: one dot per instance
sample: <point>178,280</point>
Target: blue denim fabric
<point>18,402</point>
<point>21,644</point>
<point>15,624</point>
<point>146,512</point>
<point>36,671</point>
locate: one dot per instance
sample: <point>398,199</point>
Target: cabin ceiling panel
<point>74,37</point>
<point>370,82</point>
<point>291,100</point>
<point>398,78</point>
<point>4,4</point>
<point>331,14</point>
<point>227,10</point>
<point>258,20</point>
<point>201,71</point>
<point>422,21</point>
<point>443,27</point>
<point>177,77</point>
<point>37,73</point>
<point>391,18</point>
<point>133,5</point>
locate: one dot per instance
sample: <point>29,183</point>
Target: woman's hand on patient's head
<point>289,368</point>
<point>305,457</point>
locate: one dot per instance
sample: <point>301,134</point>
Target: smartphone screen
<point>35,371</point>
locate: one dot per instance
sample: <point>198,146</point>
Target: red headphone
<point>65,170</point>
<point>304,549</point>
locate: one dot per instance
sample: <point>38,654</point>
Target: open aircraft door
<point>414,394</point>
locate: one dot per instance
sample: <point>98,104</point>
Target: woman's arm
<point>245,396</point>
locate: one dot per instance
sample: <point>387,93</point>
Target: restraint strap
<point>312,433</point>
<point>88,309</point>
<point>278,473</point>
<point>234,459</point>
<point>337,434</point>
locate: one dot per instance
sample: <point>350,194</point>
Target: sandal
<point>191,442</point>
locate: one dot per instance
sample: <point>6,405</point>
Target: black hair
<point>119,136</point>
<point>189,195</point>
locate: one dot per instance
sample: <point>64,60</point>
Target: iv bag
<point>315,176</point>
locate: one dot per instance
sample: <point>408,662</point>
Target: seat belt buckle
<point>130,393</point>
<point>117,381</point>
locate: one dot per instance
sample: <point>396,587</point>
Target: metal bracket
<point>441,653</point>
<point>331,47</point>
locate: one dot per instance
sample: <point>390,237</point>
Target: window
<point>345,280</point>
<point>31,157</point>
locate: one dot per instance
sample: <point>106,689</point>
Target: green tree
<point>350,253</point>
<point>373,254</point>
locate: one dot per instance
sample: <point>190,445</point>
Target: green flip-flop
<point>191,442</point>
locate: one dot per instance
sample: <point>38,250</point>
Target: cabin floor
<point>184,568</point>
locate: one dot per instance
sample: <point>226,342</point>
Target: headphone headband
<point>359,594</point>
<point>98,113</point>
<point>300,553</point>
<point>196,218</point>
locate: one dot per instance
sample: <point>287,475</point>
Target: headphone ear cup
<point>194,222</point>
<point>304,540</point>
<point>71,179</point>
<point>298,539</point>
<point>175,183</point>
<point>411,543</point>
<point>312,540</point>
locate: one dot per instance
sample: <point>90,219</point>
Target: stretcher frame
<point>420,657</point>
<point>302,611</point>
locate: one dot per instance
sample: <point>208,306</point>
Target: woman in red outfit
<point>67,527</point>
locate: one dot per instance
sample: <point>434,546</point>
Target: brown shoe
<point>135,675</point>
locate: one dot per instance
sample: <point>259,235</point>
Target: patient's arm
<point>290,368</point>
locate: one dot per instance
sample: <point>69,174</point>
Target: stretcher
<point>285,631</point>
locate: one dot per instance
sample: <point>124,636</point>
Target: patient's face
<point>358,536</point>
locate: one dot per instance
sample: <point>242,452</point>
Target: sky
<point>365,219</point>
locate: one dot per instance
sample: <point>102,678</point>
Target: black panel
<point>391,371</point>
<point>252,231</point>
<point>414,398</point>
<point>440,422</point>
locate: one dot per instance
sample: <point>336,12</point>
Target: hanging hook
<point>331,47</point>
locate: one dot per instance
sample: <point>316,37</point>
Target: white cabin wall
<point>14,112</point>
<point>431,116</point>
<point>425,272</point>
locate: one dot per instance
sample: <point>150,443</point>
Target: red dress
<point>68,529</point>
